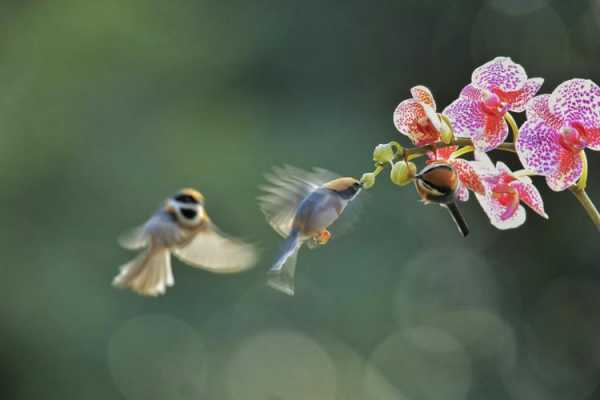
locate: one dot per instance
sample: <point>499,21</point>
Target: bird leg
<point>322,237</point>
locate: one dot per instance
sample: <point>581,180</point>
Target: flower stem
<point>416,152</point>
<point>513,125</point>
<point>587,205</point>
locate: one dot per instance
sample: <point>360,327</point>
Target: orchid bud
<point>384,153</point>
<point>403,173</point>
<point>368,180</point>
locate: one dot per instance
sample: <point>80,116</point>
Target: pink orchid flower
<point>467,176</point>
<point>504,192</point>
<point>559,127</point>
<point>417,117</point>
<point>497,87</point>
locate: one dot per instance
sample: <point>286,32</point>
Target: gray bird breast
<point>317,211</point>
<point>163,229</point>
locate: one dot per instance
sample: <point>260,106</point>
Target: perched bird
<point>437,183</point>
<point>183,228</point>
<point>300,206</point>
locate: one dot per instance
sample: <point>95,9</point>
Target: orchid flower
<point>497,87</point>
<point>559,127</point>
<point>504,192</point>
<point>417,118</point>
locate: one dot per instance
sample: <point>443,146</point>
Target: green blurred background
<point>107,107</point>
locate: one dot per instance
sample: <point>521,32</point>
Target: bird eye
<point>185,199</point>
<point>189,213</point>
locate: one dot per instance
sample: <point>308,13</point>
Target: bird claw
<point>323,237</point>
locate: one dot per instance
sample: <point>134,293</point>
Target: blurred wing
<point>134,239</point>
<point>287,187</point>
<point>214,251</point>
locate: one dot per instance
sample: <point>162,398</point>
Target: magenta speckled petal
<point>423,95</point>
<point>568,171</point>
<point>593,139</point>
<point>406,115</point>
<point>538,107</point>
<point>495,132</point>
<point>501,72</point>
<point>529,195</point>
<point>525,94</point>
<point>468,175</point>
<point>577,100</point>
<point>538,147</point>
<point>496,212</point>
<point>471,92</point>
<point>462,193</point>
<point>466,117</point>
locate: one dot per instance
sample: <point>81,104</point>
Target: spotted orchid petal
<point>501,73</point>
<point>593,139</point>
<point>462,193</point>
<point>467,175</point>
<point>568,171</point>
<point>471,92</point>
<point>529,195</point>
<point>519,99</point>
<point>500,216</point>
<point>577,100</point>
<point>406,117</point>
<point>538,108</point>
<point>423,94</point>
<point>469,120</point>
<point>442,154</point>
<point>538,146</point>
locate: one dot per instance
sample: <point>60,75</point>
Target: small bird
<point>437,183</point>
<point>300,206</point>
<point>182,227</point>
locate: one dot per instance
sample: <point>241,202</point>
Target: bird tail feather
<point>281,275</point>
<point>148,274</point>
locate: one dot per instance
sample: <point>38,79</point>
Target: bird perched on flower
<point>438,183</point>
<point>182,227</point>
<point>301,206</point>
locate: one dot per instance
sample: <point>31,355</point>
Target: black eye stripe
<point>189,213</point>
<point>185,199</point>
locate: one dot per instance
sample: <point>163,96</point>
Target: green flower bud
<point>403,173</point>
<point>384,153</point>
<point>446,132</point>
<point>368,180</point>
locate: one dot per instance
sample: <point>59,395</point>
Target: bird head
<point>187,206</point>
<point>347,188</point>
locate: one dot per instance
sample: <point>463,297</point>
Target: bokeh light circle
<point>157,357</point>
<point>418,363</point>
<point>281,365</point>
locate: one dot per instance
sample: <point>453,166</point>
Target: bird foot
<point>323,237</point>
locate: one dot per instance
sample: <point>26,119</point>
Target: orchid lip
<point>492,104</point>
<point>573,137</point>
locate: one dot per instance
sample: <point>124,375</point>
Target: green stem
<point>582,182</point>
<point>513,125</point>
<point>587,205</point>
<point>416,152</point>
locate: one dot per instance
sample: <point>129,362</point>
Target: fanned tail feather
<point>148,274</point>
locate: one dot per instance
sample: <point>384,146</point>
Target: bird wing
<point>212,250</point>
<point>134,239</point>
<point>286,189</point>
